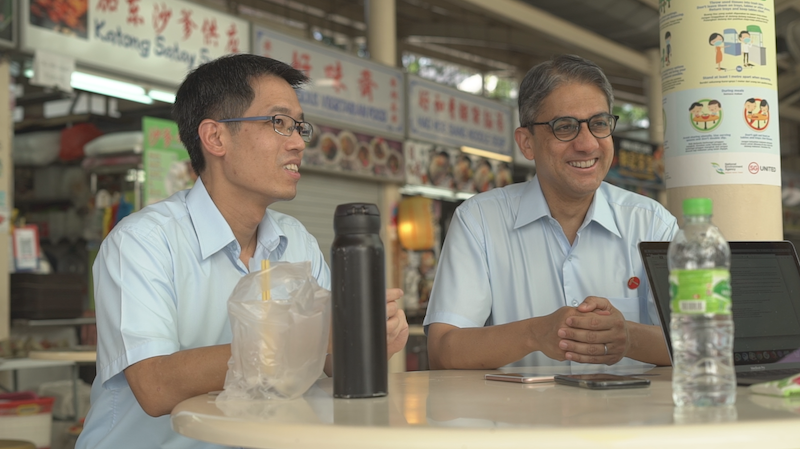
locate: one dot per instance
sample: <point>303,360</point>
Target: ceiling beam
<point>520,13</point>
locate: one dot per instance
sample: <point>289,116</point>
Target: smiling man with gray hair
<point>547,272</point>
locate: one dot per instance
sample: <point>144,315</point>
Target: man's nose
<point>585,140</point>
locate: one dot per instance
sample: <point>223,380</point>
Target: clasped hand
<point>594,332</point>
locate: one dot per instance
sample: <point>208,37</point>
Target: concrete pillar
<point>382,44</point>
<point>6,195</point>
<point>382,31</point>
<point>718,143</point>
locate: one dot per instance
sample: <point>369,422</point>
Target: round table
<point>459,409</point>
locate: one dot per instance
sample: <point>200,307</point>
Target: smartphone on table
<point>601,381</point>
<point>523,378</point>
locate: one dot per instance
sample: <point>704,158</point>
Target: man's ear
<point>211,136</point>
<point>524,140</point>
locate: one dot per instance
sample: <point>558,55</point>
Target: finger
<point>587,336</point>
<point>596,304</point>
<point>391,309</point>
<point>591,321</point>
<point>590,353</point>
<point>609,359</point>
<point>393,294</point>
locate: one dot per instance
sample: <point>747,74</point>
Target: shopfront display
<point>637,166</point>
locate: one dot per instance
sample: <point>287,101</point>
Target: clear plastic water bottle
<point>701,324</point>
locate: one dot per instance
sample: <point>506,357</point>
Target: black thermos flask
<point>358,291</point>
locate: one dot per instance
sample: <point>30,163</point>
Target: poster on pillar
<point>344,89</point>
<point>720,103</point>
<point>154,40</point>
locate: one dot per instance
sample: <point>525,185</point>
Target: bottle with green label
<point>701,325</point>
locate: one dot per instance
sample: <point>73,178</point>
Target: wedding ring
<point>605,349</point>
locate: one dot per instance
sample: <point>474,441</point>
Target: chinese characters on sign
<point>157,39</point>
<point>345,89</point>
<point>446,116</point>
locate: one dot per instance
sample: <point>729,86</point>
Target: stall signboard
<point>354,153</point>
<point>344,89</point>
<point>637,166</point>
<point>434,165</point>
<point>154,40</point>
<point>166,163</point>
<point>447,116</point>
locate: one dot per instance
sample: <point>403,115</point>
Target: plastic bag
<point>279,345</point>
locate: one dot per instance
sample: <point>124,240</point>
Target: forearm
<point>160,383</point>
<point>491,347</point>
<point>647,344</point>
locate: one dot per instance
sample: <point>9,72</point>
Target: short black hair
<point>223,88</point>
<point>667,35</point>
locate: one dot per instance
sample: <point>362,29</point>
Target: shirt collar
<point>214,233</point>
<point>600,212</point>
<point>533,206</point>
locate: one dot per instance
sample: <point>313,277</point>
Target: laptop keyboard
<point>775,373</point>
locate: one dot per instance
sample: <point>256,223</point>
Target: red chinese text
<point>334,72</point>
<point>210,34</point>
<point>187,23</point>
<point>233,39</point>
<point>107,5</point>
<point>134,17</point>
<point>366,84</point>
<point>424,100</point>
<point>301,62</point>
<point>161,17</point>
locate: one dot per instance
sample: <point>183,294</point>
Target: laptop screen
<point>765,284</point>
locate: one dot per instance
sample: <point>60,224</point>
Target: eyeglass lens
<point>285,125</point>
<point>567,128</point>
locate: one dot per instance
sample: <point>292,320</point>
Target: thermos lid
<point>356,218</point>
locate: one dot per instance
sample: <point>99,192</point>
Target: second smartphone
<point>601,381</point>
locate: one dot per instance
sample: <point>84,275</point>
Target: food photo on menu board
<point>449,167</point>
<point>66,17</point>
<point>352,152</point>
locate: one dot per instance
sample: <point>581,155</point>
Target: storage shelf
<point>55,322</point>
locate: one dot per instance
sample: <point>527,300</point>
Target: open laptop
<point>765,285</point>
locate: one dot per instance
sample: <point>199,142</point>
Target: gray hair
<point>544,78</point>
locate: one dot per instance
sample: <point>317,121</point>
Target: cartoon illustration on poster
<point>717,96</point>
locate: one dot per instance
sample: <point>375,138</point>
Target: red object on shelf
<point>73,139</point>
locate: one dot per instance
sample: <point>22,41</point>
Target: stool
<point>16,444</point>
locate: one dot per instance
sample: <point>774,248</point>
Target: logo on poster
<point>753,167</point>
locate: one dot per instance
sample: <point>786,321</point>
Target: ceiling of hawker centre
<point>510,36</point>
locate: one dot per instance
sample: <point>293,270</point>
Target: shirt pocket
<point>628,306</point>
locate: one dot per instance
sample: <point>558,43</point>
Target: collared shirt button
<point>574,303</point>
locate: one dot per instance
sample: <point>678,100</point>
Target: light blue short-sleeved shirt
<point>162,280</point>
<point>505,259</point>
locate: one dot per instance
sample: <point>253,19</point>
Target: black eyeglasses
<point>281,123</point>
<point>568,128</point>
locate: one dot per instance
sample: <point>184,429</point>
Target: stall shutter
<point>318,195</point>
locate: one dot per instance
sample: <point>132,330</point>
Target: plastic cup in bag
<point>279,345</point>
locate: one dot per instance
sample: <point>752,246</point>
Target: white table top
<point>459,409</point>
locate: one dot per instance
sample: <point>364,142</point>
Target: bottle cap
<point>356,218</point>
<point>697,206</point>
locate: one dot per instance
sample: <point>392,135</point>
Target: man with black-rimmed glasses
<point>164,274</point>
<point>547,272</point>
